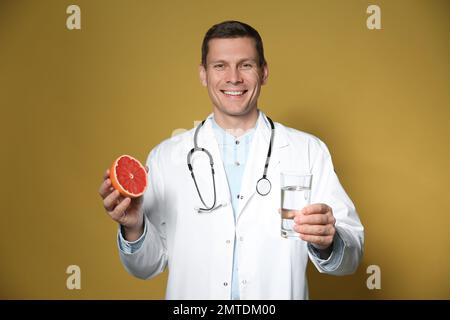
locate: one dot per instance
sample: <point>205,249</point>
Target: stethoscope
<point>263,186</point>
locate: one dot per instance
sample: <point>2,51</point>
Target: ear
<point>202,74</point>
<point>265,74</point>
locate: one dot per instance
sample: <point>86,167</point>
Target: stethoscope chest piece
<point>263,186</point>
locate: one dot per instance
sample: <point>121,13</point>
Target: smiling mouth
<point>233,93</point>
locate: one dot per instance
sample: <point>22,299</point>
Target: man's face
<point>233,76</point>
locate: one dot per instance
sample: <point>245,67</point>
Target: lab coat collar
<point>262,124</point>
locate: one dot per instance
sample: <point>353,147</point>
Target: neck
<point>236,125</point>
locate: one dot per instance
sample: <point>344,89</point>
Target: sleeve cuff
<point>335,258</point>
<point>131,246</point>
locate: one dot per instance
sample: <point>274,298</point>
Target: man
<point>234,250</point>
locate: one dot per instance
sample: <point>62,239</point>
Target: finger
<point>316,208</point>
<point>106,175</point>
<point>315,230</point>
<point>111,200</point>
<point>119,211</point>
<point>105,188</point>
<point>288,214</point>
<point>323,241</point>
<point>314,219</point>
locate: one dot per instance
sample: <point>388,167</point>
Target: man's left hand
<point>315,223</point>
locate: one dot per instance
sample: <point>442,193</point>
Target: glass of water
<point>295,194</point>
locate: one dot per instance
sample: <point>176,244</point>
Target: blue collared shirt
<point>234,153</point>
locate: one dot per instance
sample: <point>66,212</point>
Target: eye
<point>218,66</point>
<point>247,65</point>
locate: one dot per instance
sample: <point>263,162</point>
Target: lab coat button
<point>237,163</point>
<point>244,281</point>
<point>241,197</point>
<point>241,238</point>
<point>237,141</point>
<point>225,284</point>
<point>228,241</point>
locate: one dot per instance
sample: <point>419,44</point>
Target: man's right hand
<point>124,210</point>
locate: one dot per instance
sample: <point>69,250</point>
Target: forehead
<point>231,49</point>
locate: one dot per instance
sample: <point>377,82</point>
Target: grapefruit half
<point>128,176</point>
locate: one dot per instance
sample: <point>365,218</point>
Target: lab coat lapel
<point>207,140</point>
<point>254,167</point>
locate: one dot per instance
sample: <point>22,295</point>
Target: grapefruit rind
<point>119,181</point>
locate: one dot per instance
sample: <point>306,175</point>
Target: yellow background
<point>72,101</point>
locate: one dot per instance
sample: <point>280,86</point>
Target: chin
<point>235,110</point>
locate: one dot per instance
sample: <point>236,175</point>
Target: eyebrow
<point>242,60</point>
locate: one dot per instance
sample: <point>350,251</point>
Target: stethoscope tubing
<point>263,186</point>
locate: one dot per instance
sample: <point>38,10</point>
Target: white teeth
<point>234,93</point>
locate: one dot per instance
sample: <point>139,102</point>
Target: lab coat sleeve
<point>151,257</point>
<point>332,262</point>
<point>327,189</point>
<point>130,246</point>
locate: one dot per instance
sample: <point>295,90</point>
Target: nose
<point>234,76</point>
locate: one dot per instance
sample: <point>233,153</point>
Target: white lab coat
<point>198,247</point>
